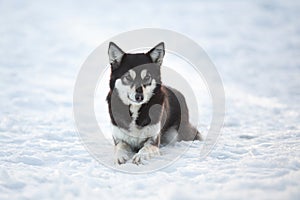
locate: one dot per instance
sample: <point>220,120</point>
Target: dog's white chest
<point>134,136</point>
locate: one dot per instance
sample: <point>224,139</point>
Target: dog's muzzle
<point>137,97</point>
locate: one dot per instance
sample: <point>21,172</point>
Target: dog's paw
<point>121,157</point>
<point>145,153</point>
<point>122,153</point>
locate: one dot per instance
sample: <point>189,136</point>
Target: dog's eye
<point>147,78</point>
<point>127,78</point>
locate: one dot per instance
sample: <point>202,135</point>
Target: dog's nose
<point>139,97</point>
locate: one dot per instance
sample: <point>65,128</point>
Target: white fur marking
<point>143,73</point>
<point>126,91</point>
<point>132,74</point>
<point>134,109</point>
<point>122,153</point>
<point>135,136</point>
<point>148,91</point>
<point>148,151</point>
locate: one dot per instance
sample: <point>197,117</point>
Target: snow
<point>255,46</point>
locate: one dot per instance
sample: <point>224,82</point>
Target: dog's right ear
<point>115,54</point>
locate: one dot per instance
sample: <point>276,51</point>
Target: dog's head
<point>135,76</point>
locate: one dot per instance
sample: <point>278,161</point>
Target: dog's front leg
<point>122,152</point>
<point>148,151</point>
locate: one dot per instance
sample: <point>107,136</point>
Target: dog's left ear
<point>157,53</point>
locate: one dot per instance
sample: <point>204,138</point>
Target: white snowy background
<point>255,46</point>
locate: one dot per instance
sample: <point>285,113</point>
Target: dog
<point>141,108</point>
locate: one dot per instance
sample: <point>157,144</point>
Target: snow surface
<point>255,46</point>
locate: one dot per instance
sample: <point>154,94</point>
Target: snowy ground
<point>255,45</point>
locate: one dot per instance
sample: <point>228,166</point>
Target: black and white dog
<point>142,110</point>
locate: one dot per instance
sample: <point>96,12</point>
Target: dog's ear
<point>115,54</point>
<point>157,53</point>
